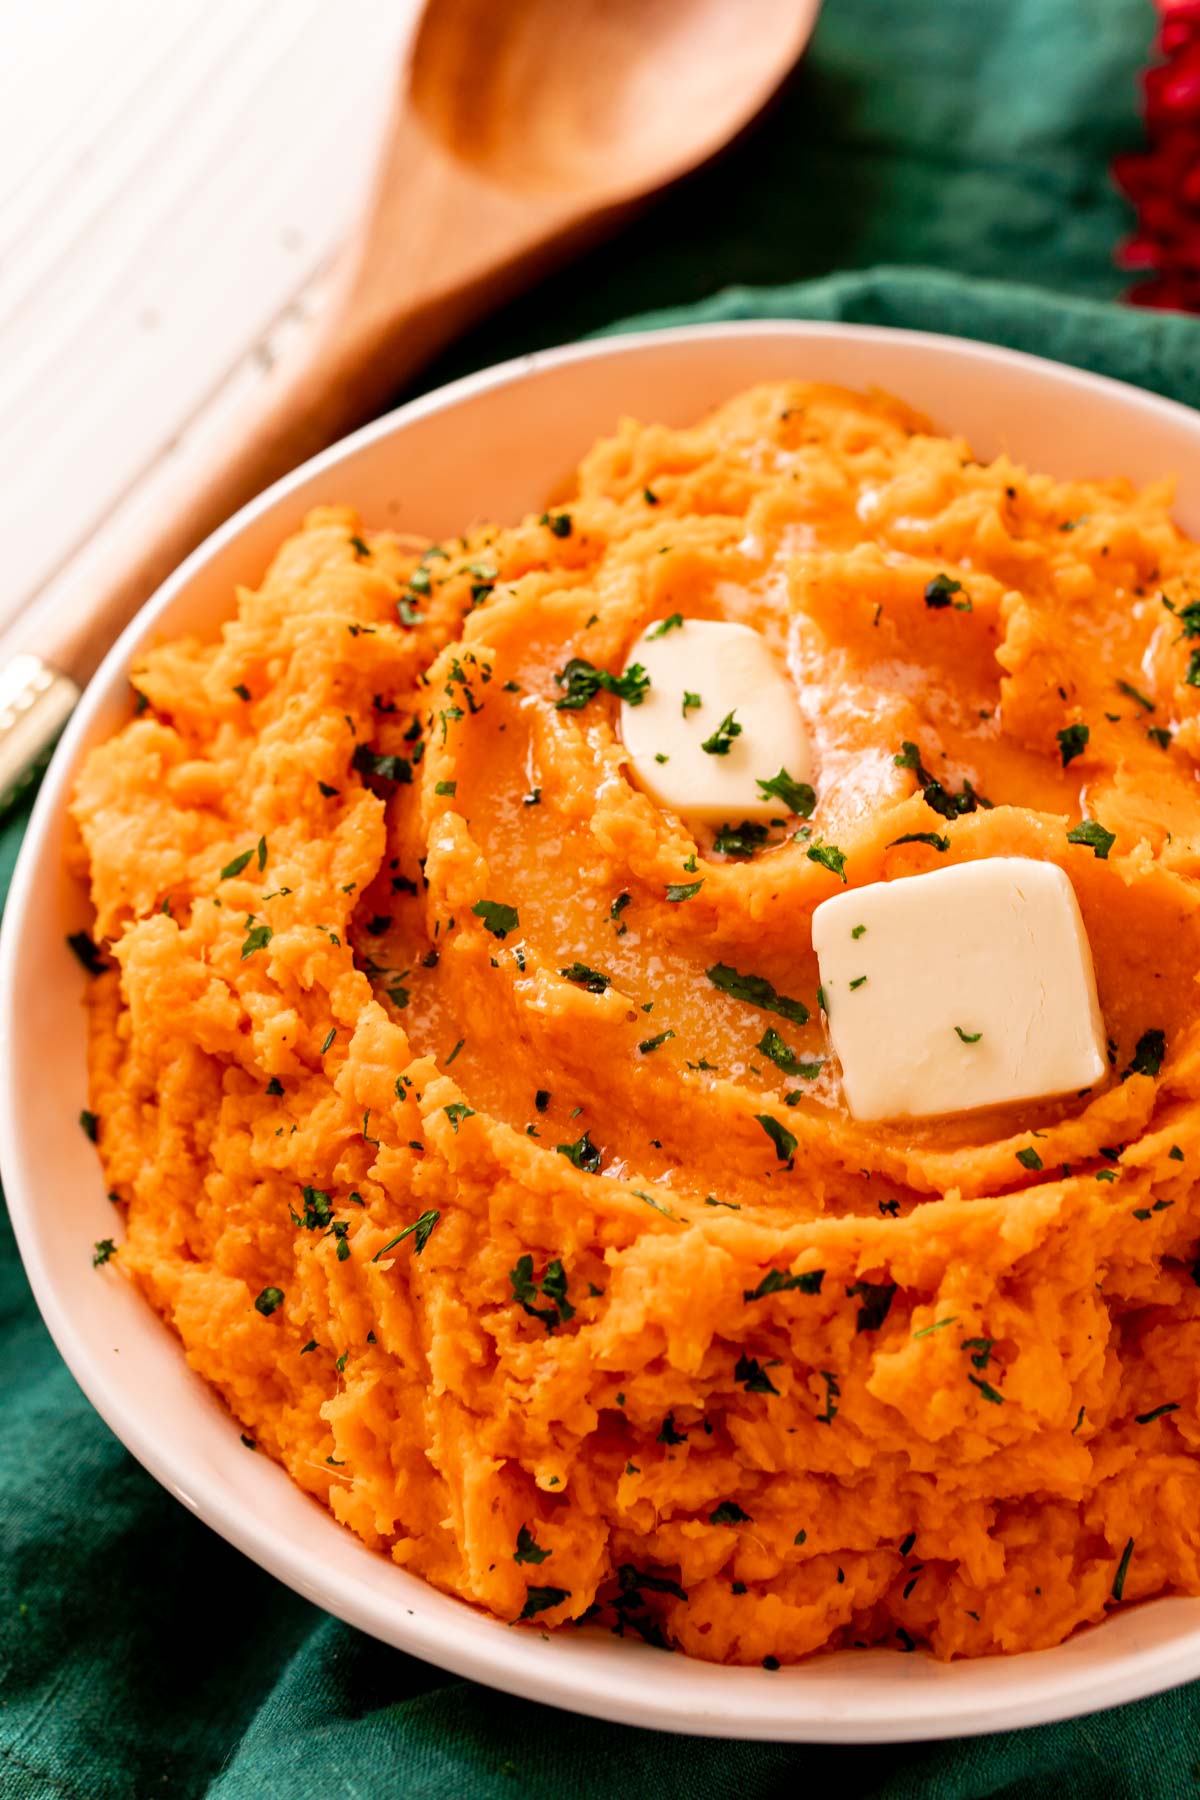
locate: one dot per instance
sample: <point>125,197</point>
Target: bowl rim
<point>797,1704</point>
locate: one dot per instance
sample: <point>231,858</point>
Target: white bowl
<point>495,446</point>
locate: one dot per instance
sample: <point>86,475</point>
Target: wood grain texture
<point>515,135</point>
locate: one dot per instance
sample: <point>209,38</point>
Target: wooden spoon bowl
<point>601,100</point>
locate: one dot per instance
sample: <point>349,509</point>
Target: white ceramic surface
<point>496,445</point>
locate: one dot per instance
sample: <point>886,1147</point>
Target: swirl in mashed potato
<point>432,1060</point>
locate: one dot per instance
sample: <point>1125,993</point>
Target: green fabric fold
<point>1157,350</point>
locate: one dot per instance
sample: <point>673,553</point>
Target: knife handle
<point>35,703</point>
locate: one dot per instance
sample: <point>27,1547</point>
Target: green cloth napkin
<point>140,1656</point>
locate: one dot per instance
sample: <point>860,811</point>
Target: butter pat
<point>701,671</point>
<point>969,987</point>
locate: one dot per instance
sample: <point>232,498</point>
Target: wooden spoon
<point>521,131</point>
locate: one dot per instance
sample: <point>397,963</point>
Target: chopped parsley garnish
<point>236,866</point>
<point>654,1043</point>
<point>796,796</point>
<point>876,1297</point>
<point>682,890</point>
<point>558,523</point>
<point>274,1086</point>
<point>583,1153</point>
<point>1158,734</point>
<point>934,794</point>
<point>257,938</point>
<point>532,798</point>
<point>676,1218</point>
<point>552,1287</point>
<point>1029,1158</point>
<point>986,1389</point>
<point>360,547</point>
<point>729,1513</point>
<point>330,793</point>
<point>721,741</point>
<point>385,768</point>
<point>940,591</point>
<point>665,625</point>
<point>498,918</point>
<point>419,1231</point>
<point>541,1599</point>
<point>102,1252</point>
<point>542,1099</point>
<point>1148,1056</point>
<point>833,1394</point>
<point>691,702</point>
<point>318,1210</point>
<point>932,838</point>
<point>753,1377</point>
<point>1128,688</point>
<point>1072,742</point>
<point>650,497</point>
<point>1188,616</point>
<point>583,682</point>
<point>756,990</point>
<point>447,788</point>
<point>859,981</point>
<point>329,1039</point>
<point>582,976</point>
<point>456,1112</point>
<point>669,1433</point>
<point>528,1549</point>
<point>1093,834</point>
<point>778,1281</point>
<point>409,614</point>
<point>89,1123</point>
<point>87,953</point>
<point>773,1046</point>
<point>1118,1586</point>
<point>241,690</point>
<point>269,1301</point>
<point>740,840</point>
<point>830,857</point>
<point>1158,1412</point>
<point>780,1136</point>
<point>938,1325</point>
<point>968,1037</point>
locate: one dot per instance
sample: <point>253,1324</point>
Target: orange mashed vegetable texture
<point>441,1152</point>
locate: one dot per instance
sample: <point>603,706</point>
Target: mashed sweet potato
<point>429,1081</point>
